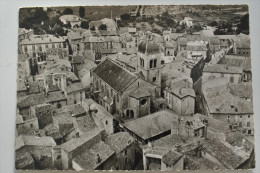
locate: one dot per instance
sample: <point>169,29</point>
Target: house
<point>24,33</point>
<point>36,46</point>
<point>76,43</point>
<point>232,73</point>
<point>96,157</point>
<point>26,122</point>
<point>151,127</point>
<point>221,104</point>
<point>61,53</point>
<point>198,48</point>
<point>125,150</point>
<point>71,19</point>
<point>167,153</point>
<point>188,21</point>
<point>223,154</point>
<point>76,146</point>
<point>180,100</point>
<point>103,119</point>
<point>239,61</point>
<point>37,147</point>
<point>130,30</point>
<point>55,99</point>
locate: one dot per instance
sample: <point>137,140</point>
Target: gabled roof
<point>183,92</point>
<point>139,93</point>
<point>88,160</point>
<point>114,75</point>
<point>225,153</point>
<point>36,99</point>
<point>119,141</point>
<point>44,141</point>
<point>171,158</point>
<point>222,68</point>
<point>86,124</point>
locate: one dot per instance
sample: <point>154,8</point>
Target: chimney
<point>178,147</point>
<point>205,122</point>
<point>98,158</point>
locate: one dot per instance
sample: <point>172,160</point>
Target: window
<point>154,79</point>
<point>248,116</point>
<point>231,79</point>
<point>228,117</point>
<point>162,61</point>
<point>75,101</point>
<point>151,63</point>
<point>59,105</point>
<point>240,124</point>
<point>155,63</point>
<point>31,125</point>
<point>106,122</point>
<point>240,116</point>
<point>143,101</point>
<point>248,124</point>
<point>249,132</point>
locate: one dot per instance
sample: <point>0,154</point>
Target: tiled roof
<point>220,101</point>
<point>171,158</point>
<point>75,87</point>
<point>74,143</point>
<point>119,141</point>
<point>242,90</point>
<point>225,153</point>
<point>114,75</point>
<point>86,124</point>
<point>74,35</point>
<point>34,141</point>
<point>152,125</point>
<point>88,160</point>
<point>42,40</point>
<point>222,68</point>
<point>36,99</point>
<point>75,109</point>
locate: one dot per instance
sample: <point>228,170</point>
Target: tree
<point>243,26</point>
<point>81,12</point>
<point>214,23</point>
<point>92,28</point>
<point>102,27</point>
<point>67,11</point>
<point>84,24</point>
<point>125,16</point>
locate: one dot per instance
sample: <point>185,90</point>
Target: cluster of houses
<point>123,99</point>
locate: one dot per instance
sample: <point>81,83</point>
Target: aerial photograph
<point>137,87</point>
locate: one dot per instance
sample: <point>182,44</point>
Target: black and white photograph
<point>134,87</point>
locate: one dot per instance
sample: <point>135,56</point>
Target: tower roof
<point>149,47</point>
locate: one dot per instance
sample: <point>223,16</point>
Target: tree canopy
<point>84,24</point>
<point>67,11</point>
<point>81,12</point>
<point>102,27</point>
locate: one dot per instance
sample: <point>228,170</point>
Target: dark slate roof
<point>119,141</point>
<point>171,158</point>
<point>114,75</point>
<point>149,47</point>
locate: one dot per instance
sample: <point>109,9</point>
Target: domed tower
<point>149,62</point>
